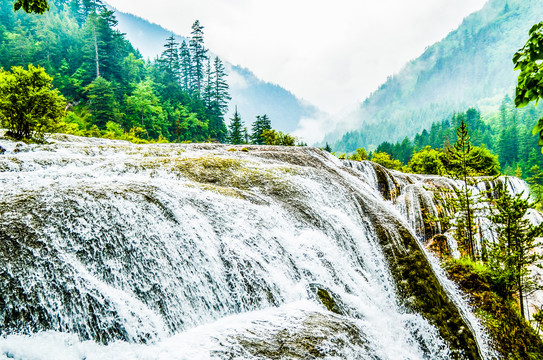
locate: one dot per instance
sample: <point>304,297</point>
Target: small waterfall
<point>116,250</point>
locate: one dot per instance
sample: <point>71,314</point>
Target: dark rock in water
<point>327,298</point>
<point>2,150</point>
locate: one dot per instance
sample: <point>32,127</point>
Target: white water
<point>142,244</point>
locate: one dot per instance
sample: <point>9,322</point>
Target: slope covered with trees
<point>252,95</point>
<point>471,67</point>
<point>109,87</point>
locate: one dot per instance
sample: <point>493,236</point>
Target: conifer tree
<point>262,123</point>
<point>169,59</point>
<point>198,57</point>
<point>235,135</point>
<point>460,161</point>
<point>220,95</point>
<point>185,63</point>
<point>512,253</point>
<point>207,94</point>
<point>102,102</point>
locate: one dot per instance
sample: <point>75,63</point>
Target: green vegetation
<point>471,66</point>
<point>530,80</point>
<point>29,106</point>
<point>460,163</point>
<point>382,158</point>
<point>359,155</point>
<point>110,91</point>
<point>513,252</point>
<point>30,6</point>
<point>511,335</point>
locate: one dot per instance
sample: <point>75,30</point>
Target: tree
<point>220,96</point>
<point>169,59</point>
<point>29,106</point>
<point>272,137</point>
<point>102,102</point>
<point>30,6</point>
<point>536,182</point>
<point>460,160</point>
<point>513,252</point>
<point>145,105</point>
<point>530,80</point>
<point>235,135</point>
<point>186,69</point>
<point>359,155</point>
<point>199,57</point>
<point>427,161</point>
<point>384,159</point>
<point>188,127</point>
<point>262,123</point>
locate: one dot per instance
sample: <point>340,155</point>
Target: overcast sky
<point>332,53</point>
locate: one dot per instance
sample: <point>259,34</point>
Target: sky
<point>330,53</point>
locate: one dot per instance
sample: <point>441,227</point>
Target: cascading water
<point>414,198</point>
<point>115,250</point>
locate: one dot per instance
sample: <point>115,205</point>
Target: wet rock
<point>327,298</point>
<point>439,245</point>
<point>315,336</point>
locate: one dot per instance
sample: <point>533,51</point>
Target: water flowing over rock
<point>115,250</point>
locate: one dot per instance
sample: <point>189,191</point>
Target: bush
<point>29,106</point>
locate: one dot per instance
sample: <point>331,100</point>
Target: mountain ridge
<point>440,82</point>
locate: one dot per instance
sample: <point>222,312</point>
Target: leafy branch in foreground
<point>30,6</point>
<point>530,80</point>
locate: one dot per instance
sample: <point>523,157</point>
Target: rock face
<point>145,243</point>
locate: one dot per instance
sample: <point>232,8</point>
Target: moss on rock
<point>512,336</point>
<point>420,289</point>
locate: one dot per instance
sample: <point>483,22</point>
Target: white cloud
<point>332,53</point>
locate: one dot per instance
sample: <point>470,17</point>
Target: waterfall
<point>116,250</point>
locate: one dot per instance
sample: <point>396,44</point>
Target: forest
<point>110,90</point>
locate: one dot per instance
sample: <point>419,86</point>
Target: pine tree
<point>536,182</point>
<point>186,70</point>
<point>512,253</point>
<point>220,95</point>
<point>459,163</point>
<point>102,102</point>
<point>262,123</point>
<point>207,94</point>
<point>199,57</point>
<point>169,59</point>
<point>235,135</point>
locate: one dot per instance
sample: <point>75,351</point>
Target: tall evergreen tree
<point>460,161</point>
<point>169,59</point>
<point>235,135</point>
<point>220,95</point>
<point>102,103</point>
<point>186,69</point>
<point>199,57</point>
<point>513,251</point>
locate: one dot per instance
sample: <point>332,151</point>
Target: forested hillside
<point>182,95</point>
<point>252,95</point>
<point>471,67</point>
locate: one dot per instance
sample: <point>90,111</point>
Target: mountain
<point>472,66</point>
<point>250,94</point>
